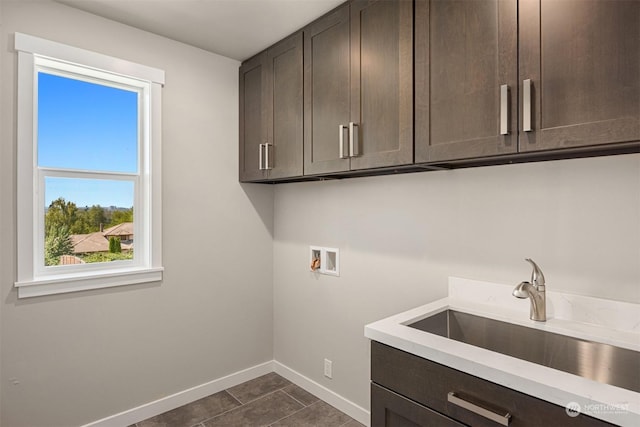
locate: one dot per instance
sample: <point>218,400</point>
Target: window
<point>88,170</point>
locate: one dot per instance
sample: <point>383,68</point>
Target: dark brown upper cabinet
<point>252,105</point>
<point>271,113</point>
<point>466,79</point>
<point>577,82</point>
<point>358,76</point>
<point>385,86</point>
<point>579,73</point>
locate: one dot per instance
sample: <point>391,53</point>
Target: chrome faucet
<point>535,291</point>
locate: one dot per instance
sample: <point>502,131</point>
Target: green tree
<point>96,216</point>
<point>56,244</point>
<point>81,223</point>
<point>60,213</point>
<point>114,245</point>
<point>88,220</point>
<point>118,217</point>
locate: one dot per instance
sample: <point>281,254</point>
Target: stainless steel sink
<point>599,362</point>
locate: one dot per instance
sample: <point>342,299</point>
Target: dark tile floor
<point>269,400</point>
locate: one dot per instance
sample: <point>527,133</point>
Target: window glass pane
<point>87,220</point>
<point>86,126</point>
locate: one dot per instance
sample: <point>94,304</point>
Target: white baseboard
<point>176,400</point>
<point>184,397</point>
<point>356,412</point>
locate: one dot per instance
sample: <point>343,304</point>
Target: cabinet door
<point>465,51</point>
<point>429,384</point>
<point>389,409</point>
<point>382,82</point>
<point>284,93</point>
<point>583,59</point>
<point>326,94</point>
<point>253,111</point>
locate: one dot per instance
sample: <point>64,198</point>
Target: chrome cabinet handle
<point>341,129</point>
<point>354,145</point>
<point>504,110</point>
<point>267,163</point>
<point>526,105</point>
<point>261,157</point>
<point>498,418</point>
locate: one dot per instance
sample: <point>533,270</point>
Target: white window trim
<point>30,281</point>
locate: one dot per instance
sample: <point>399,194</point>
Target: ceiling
<point>234,28</point>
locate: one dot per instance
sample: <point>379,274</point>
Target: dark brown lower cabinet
<point>390,409</point>
<point>410,391</point>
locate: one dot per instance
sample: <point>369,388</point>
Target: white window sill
<point>52,285</point>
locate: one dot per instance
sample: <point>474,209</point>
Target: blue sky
<point>86,192</point>
<point>87,126</point>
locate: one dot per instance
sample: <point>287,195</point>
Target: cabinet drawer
<point>430,384</point>
<point>389,409</point>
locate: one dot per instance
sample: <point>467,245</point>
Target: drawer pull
<point>500,419</point>
<point>267,162</point>
<point>526,105</point>
<point>504,110</point>
<point>354,144</point>
<point>341,129</point>
<point>261,157</point>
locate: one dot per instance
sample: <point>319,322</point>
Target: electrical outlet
<point>328,368</point>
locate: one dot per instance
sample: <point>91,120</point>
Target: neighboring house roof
<point>123,229</point>
<point>93,242</point>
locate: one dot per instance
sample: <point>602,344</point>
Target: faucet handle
<point>537,278</point>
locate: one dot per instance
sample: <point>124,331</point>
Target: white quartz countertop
<point>606,321</point>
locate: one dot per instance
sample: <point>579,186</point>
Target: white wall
<point>401,236</point>
<point>80,357</point>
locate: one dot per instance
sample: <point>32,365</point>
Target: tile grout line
<point>303,405</point>
<point>264,395</point>
<point>292,414</point>
<point>352,419</point>
<point>225,412</point>
<point>295,400</point>
<point>260,397</point>
<point>233,397</point>
<point>242,405</point>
